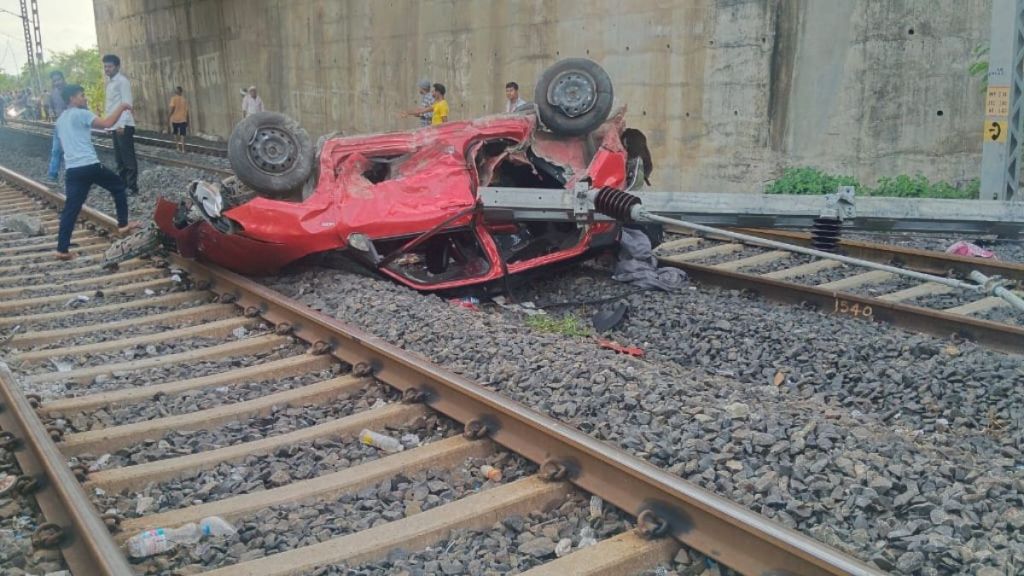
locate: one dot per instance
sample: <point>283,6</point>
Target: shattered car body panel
<point>412,196</point>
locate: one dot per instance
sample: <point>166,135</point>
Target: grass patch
<point>568,325</point>
<point>811,181</point>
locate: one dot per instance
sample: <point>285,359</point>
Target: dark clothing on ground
<point>179,128</point>
<point>124,154</point>
<point>638,266</point>
<point>77,182</point>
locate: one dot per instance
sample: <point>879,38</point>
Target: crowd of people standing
<point>433,108</point>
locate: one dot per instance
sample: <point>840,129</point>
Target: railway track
<point>45,130</point>
<point>206,150</point>
<point>859,293</point>
<point>100,362</point>
<point>829,286</point>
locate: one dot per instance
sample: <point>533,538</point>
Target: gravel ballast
<point>900,448</point>
<point>266,471</point>
<point>25,153</point>
<point>280,419</point>
<point>19,517</point>
<point>514,544</point>
<point>121,379</point>
<point>164,405</point>
<point>857,445</point>
<point>288,527</point>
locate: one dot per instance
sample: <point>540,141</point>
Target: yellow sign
<point>997,103</point>
<point>995,131</point>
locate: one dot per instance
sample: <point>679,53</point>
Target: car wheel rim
<point>573,92</point>
<point>272,150</point>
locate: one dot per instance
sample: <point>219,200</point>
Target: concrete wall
<point>728,91</point>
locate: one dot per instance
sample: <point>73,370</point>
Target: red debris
<point>468,303</point>
<point>633,351</point>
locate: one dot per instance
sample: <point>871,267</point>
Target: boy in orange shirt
<point>179,117</point>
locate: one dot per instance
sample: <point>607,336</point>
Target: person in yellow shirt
<point>438,110</point>
<point>179,117</point>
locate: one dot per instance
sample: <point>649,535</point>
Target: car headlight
<point>359,242</point>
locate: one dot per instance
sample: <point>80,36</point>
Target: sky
<point>65,24</point>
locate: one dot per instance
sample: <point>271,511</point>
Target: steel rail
<point>719,528</point>
<point>90,214</point>
<point>725,531</point>
<point>145,140</point>
<point>921,260</point>
<point>1005,337</point>
<point>769,243</point>
<point>150,157</point>
<point>83,538</point>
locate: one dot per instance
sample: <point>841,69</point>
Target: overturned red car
<point>405,204</point>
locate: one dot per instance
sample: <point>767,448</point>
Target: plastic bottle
<point>385,443</point>
<point>216,526</point>
<point>152,542</point>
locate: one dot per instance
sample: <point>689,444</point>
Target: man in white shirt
<point>119,91</point>
<point>514,101</point>
<point>252,103</point>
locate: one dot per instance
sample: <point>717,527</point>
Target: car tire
<point>271,154</point>
<point>573,96</point>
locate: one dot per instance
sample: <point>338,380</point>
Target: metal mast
<point>37,33</point>
<point>1001,148</point>
<point>33,40</point>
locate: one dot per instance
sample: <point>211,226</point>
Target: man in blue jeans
<point>83,168</point>
<point>57,106</point>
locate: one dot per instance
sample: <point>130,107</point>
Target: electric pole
<point>1004,104</point>
<point>33,39</point>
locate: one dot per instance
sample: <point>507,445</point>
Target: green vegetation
<point>8,82</point>
<point>568,325</point>
<point>813,181</point>
<point>979,67</point>
<point>919,186</point>
<point>80,66</point>
<point>810,181</point>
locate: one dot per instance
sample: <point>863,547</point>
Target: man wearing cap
<point>252,103</point>
<point>438,111</point>
<point>426,101</point>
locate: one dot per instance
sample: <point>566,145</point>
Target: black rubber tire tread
<point>554,118</point>
<point>145,241</point>
<point>270,185</point>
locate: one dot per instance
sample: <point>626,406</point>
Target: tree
<point>8,82</point>
<point>81,66</point>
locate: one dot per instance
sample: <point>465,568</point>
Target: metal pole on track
<point>1004,104</point>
